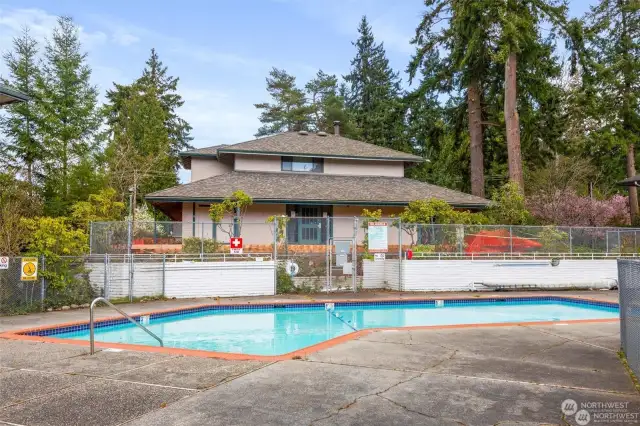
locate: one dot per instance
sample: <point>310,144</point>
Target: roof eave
<point>152,198</point>
<point>308,154</point>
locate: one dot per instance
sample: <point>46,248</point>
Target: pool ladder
<point>121,312</point>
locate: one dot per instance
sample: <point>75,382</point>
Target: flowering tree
<point>566,207</point>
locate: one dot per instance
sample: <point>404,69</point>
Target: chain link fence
<point>629,286</point>
<point>16,295</point>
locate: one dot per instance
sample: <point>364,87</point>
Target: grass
<point>625,363</point>
<point>125,299</point>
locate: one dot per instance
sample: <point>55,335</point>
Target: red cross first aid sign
<point>236,245</point>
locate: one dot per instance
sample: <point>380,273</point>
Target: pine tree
<point>614,44</point>
<point>23,150</point>
<point>165,87</point>
<point>327,104</point>
<point>374,93</point>
<point>70,118</point>
<point>289,111</point>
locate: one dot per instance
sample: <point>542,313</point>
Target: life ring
<point>292,268</point>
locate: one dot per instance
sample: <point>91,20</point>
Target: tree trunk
<point>633,191</point>
<point>512,121</point>
<point>474,108</point>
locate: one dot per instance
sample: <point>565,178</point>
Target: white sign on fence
<point>378,257</point>
<point>4,262</point>
<point>377,237</point>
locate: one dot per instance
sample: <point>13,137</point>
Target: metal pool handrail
<point>124,314</point>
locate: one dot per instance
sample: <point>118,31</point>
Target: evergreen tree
<point>165,87</point>
<point>374,93</point>
<point>289,111</point>
<point>613,78</point>
<point>70,118</point>
<point>23,149</point>
<point>139,143</point>
<point>464,69</point>
<point>518,22</point>
<point>328,105</point>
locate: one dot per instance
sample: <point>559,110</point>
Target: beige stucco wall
<point>254,229</point>
<point>336,166</point>
<point>259,163</point>
<point>202,168</point>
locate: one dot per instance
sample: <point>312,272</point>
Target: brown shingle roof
<point>293,143</point>
<point>210,151</point>
<point>315,187</point>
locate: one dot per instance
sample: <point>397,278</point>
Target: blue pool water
<point>275,331</point>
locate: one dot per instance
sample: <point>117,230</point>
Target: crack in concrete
<point>570,339</point>
<point>404,407</point>
<point>442,361</point>
<point>542,350</point>
<point>347,406</point>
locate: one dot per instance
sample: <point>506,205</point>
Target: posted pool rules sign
<point>29,270</point>
<point>236,245</point>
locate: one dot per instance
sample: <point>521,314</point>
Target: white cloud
<point>124,38</point>
<point>217,116</point>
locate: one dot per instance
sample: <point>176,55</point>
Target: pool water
<point>277,331</point>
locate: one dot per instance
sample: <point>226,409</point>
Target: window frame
<point>317,164</point>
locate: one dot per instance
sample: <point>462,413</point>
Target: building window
<point>302,164</point>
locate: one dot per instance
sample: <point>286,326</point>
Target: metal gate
<point>342,264</point>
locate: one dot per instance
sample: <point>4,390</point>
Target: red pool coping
<point>20,334</point>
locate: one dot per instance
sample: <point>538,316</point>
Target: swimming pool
<point>277,329</point>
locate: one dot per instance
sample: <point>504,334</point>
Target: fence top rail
<point>522,256</point>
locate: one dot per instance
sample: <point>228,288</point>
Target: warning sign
<point>29,271</point>
<point>236,245</point>
<point>4,262</point>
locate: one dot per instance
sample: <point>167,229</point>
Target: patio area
<point>475,375</point>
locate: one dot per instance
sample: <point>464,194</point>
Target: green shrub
<point>195,245</point>
<point>284,282</point>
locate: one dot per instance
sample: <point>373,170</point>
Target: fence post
<point>90,238</point>
<point>42,283</point>
<point>201,239</point>
<point>275,254</point>
<point>511,239</point>
<point>400,263</point>
<point>619,243</point>
<point>354,255</point>
<point>570,241</point>
<point>106,279</point>
<point>164,266</point>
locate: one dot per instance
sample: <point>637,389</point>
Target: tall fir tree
<point>613,78</point>
<point>139,144</point>
<point>374,93</point>
<point>518,23</point>
<point>70,116</point>
<point>165,87</point>
<point>22,149</point>
<point>465,69</point>
<point>289,111</point>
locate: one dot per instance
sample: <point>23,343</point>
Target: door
<point>309,231</point>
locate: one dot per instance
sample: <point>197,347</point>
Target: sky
<point>222,50</point>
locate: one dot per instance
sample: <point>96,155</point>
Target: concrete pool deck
<point>476,375</point>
